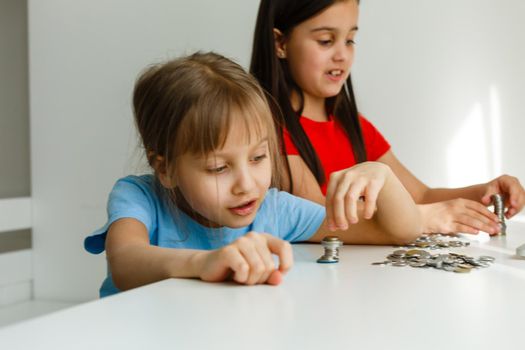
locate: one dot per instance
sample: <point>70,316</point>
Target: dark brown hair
<point>274,76</point>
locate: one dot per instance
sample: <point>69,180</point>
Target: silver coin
<point>400,252</point>
<point>487,258</point>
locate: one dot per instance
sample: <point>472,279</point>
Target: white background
<point>442,80</point>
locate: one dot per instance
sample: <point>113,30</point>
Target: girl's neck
<point>313,108</point>
<point>185,207</point>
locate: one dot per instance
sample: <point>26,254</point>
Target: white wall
<point>429,74</point>
<point>444,81</point>
<point>84,58</point>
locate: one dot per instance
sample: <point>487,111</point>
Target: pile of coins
<point>420,258</point>
<point>451,262</point>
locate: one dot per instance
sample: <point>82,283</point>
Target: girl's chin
<point>333,91</point>
<point>240,222</point>
<point>331,94</point>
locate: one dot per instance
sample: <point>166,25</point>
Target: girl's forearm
<point>138,265</point>
<point>432,195</point>
<point>398,215</point>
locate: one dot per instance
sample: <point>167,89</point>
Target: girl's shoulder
<point>145,184</point>
<point>145,180</point>
<point>136,191</point>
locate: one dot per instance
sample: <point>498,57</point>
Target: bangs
<point>206,126</point>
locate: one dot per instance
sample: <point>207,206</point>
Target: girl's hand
<point>248,260</point>
<point>511,189</point>
<point>458,215</point>
<point>348,186</point>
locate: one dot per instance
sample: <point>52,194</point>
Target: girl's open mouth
<point>244,209</point>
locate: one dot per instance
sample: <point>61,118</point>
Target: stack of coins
<point>450,262</point>
<point>331,246</point>
<point>499,210</point>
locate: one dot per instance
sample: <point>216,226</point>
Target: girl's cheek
<point>268,178</point>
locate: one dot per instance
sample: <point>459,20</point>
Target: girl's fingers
<point>486,200</point>
<point>510,213</point>
<point>476,221</point>
<point>372,192</point>
<point>482,211</point>
<point>283,250</point>
<point>254,262</point>
<point>248,249</point>
<point>266,258</point>
<point>517,201</point>
<point>276,277</point>
<point>338,202</point>
<point>237,264</point>
<point>350,201</point>
<point>346,187</point>
<point>514,205</point>
<point>477,216</point>
<point>464,228</point>
<point>512,190</point>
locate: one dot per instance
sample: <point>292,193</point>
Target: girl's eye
<point>217,170</point>
<point>324,42</point>
<point>350,42</point>
<point>259,158</point>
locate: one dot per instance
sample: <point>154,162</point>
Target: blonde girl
<point>211,210</point>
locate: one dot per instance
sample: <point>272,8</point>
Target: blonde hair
<point>188,104</point>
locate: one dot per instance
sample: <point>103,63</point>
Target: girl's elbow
<point>119,276</point>
<point>119,280</point>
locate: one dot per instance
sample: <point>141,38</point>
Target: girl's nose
<point>342,52</point>
<point>244,182</point>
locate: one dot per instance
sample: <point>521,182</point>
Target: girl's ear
<point>161,169</point>
<point>280,44</point>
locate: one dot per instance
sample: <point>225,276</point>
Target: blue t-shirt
<point>141,197</point>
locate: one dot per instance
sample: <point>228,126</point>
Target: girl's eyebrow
<point>220,154</point>
<point>331,29</point>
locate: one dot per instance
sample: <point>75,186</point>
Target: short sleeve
<point>129,198</point>
<point>375,143</point>
<point>298,219</point>
<point>289,146</point>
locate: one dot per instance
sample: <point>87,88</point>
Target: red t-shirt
<point>333,146</point>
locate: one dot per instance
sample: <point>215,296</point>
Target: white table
<point>349,305</point>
